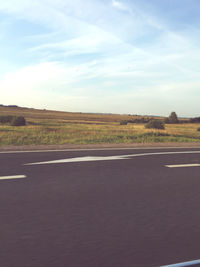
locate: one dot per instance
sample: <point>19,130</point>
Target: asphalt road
<point>103,208</point>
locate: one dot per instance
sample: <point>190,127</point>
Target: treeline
<point>195,120</point>
<point>9,106</point>
<point>172,119</point>
<point>13,120</point>
<point>138,120</point>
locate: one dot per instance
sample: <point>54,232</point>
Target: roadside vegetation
<point>155,124</point>
<point>50,127</point>
<point>13,120</point>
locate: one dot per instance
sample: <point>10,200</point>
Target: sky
<point>104,56</point>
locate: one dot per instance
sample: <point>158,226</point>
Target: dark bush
<point>6,119</point>
<point>139,120</point>
<point>155,124</point>
<point>195,120</point>
<point>123,122</point>
<point>154,134</point>
<point>198,129</point>
<point>18,121</point>
<point>166,120</point>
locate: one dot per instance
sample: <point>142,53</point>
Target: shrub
<point>154,134</point>
<point>6,119</point>
<point>166,120</point>
<point>123,122</point>
<point>139,120</point>
<point>198,129</point>
<point>155,124</point>
<point>195,120</point>
<point>18,121</point>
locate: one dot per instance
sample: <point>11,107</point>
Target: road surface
<point>92,208</point>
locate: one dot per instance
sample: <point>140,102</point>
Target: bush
<point>139,120</point>
<point>18,121</point>
<point>6,119</point>
<point>166,120</point>
<point>198,129</point>
<point>155,124</point>
<point>123,122</point>
<point>195,120</point>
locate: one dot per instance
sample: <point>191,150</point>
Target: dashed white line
<point>12,177</point>
<point>183,165</point>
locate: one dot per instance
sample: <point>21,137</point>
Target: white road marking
<point>164,153</point>
<point>118,157</point>
<point>12,177</point>
<point>188,263</point>
<point>79,159</point>
<point>183,165</point>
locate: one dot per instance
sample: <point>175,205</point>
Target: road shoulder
<point>99,146</point>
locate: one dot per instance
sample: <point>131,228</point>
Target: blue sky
<point>118,56</point>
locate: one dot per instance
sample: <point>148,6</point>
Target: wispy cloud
<point>95,41</point>
<point>120,5</point>
<point>96,50</point>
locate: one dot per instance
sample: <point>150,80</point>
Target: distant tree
<point>173,118</point>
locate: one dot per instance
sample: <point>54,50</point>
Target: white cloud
<point>96,41</point>
<point>119,5</point>
<point>43,76</point>
<point>92,47</point>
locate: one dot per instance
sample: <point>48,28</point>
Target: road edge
<point>97,146</point>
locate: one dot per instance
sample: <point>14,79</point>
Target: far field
<point>53,127</point>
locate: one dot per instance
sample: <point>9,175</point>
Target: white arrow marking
<point>80,159</point>
<point>183,165</point>
<point>88,158</point>
<point>188,263</point>
<point>12,177</point>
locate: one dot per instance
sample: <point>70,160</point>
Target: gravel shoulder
<point>99,146</point>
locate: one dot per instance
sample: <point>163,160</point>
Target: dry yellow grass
<point>29,113</point>
<point>51,127</point>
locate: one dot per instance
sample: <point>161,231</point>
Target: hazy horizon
<point>101,56</point>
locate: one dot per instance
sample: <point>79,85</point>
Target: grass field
<point>51,127</point>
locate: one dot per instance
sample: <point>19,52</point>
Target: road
<point>92,208</point>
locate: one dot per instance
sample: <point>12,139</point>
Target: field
<point>52,127</point>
